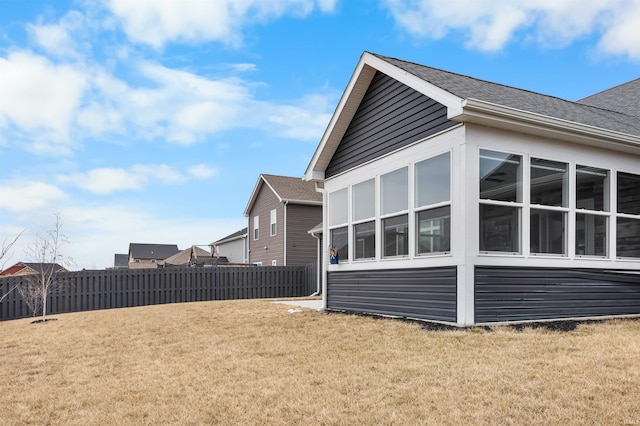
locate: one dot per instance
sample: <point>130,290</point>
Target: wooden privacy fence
<point>122,288</point>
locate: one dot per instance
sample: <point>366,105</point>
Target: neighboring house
<point>194,256</point>
<point>280,212</point>
<point>120,261</point>
<point>463,201</point>
<point>25,268</point>
<point>150,255</point>
<point>234,247</point>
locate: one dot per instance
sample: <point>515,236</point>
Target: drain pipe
<point>319,259</point>
<point>319,187</point>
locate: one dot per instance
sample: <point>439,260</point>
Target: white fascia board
<point>451,101</point>
<point>353,94</point>
<point>487,113</point>
<point>254,194</point>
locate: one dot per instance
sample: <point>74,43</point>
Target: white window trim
<point>256,228</point>
<point>273,222</point>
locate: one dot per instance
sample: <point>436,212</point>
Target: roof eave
<point>302,202</point>
<point>494,115</point>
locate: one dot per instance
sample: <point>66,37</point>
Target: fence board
<point>110,289</point>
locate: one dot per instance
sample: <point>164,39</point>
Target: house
<point>194,256</point>
<point>280,212</point>
<point>26,268</point>
<point>150,255</point>
<point>234,247</point>
<point>462,201</point>
<point>120,261</point>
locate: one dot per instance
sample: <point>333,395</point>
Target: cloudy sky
<point>149,121</point>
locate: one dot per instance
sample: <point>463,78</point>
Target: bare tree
<point>46,250</point>
<point>5,254</point>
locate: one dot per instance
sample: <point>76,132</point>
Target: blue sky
<point>150,121</point>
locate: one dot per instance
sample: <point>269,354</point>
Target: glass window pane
<point>434,230</point>
<point>338,213</point>
<point>364,200</point>
<point>395,192</point>
<point>628,237</point>
<point>628,193</point>
<point>364,235</point>
<point>547,231</point>
<point>549,181</point>
<point>499,228</point>
<point>592,188</point>
<point>433,180</point>
<point>396,236</point>
<point>591,235</point>
<point>340,240</point>
<point>500,176</point>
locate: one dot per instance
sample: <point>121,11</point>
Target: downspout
<point>319,277</point>
<point>323,264</point>
<point>284,232</point>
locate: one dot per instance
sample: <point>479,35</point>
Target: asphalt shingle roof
<point>152,251</point>
<point>624,98</point>
<point>291,188</point>
<point>592,113</point>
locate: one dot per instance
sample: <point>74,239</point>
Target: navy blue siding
<point>522,294</point>
<point>423,293</point>
<point>390,116</point>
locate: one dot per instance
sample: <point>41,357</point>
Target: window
<point>395,195</point>
<point>592,199</point>
<point>395,199</point>
<point>273,222</point>
<point>432,188</point>
<point>549,188</point>
<point>500,201</point>
<point>396,236</point>
<point>338,205</point>
<point>434,233</point>
<point>256,227</point>
<point>338,220</point>
<point>364,235</point>
<point>340,240</point>
<point>628,218</point>
<point>363,217</point>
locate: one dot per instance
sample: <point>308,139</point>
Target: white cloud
<point>39,97</point>
<point>105,180</point>
<point>24,196</point>
<point>60,39</point>
<point>489,25</point>
<point>156,23</point>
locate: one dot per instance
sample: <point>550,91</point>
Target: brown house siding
<point>266,201</point>
<point>301,246</point>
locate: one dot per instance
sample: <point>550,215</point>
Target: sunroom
<point>447,206</point>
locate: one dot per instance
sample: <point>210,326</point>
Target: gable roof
<point>473,100</point>
<point>185,256</point>
<point>287,189</point>
<point>152,251</point>
<point>235,236</point>
<point>34,266</point>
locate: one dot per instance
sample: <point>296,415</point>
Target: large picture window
<point>432,189</point>
<point>500,201</point>
<point>338,220</point>
<point>396,236</point>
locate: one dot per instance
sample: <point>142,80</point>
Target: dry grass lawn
<point>252,362</point>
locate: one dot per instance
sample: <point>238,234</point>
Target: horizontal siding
<point>390,116</point>
<point>302,247</point>
<point>423,293</point>
<point>522,294</point>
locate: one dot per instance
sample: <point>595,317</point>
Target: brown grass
<point>251,362</point>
